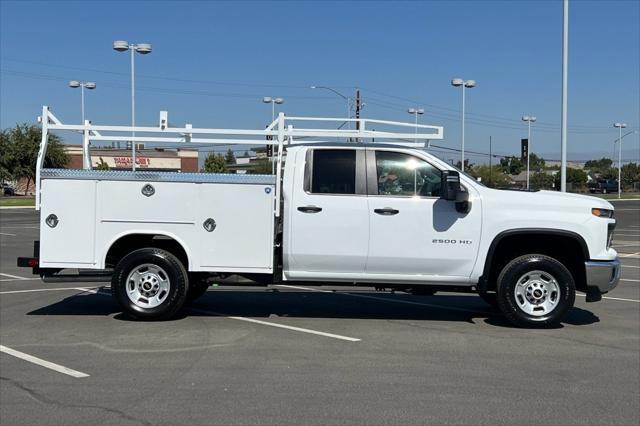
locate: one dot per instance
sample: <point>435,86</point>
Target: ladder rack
<point>279,133</point>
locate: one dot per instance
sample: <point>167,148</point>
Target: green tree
<point>542,180</point>
<point>490,177</point>
<point>102,165</point>
<point>600,165</point>
<point>20,146</point>
<point>214,163</point>
<point>535,163</point>
<point>229,158</point>
<point>262,167</point>
<point>511,165</point>
<point>576,177</point>
<point>630,174</point>
<point>467,165</point>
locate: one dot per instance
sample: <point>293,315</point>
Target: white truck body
<point>357,213</point>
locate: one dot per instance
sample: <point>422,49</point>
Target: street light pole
<point>143,49</point>
<point>620,126</point>
<point>346,98</point>
<point>89,85</point>
<point>529,119</point>
<point>458,82</point>
<point>416,112</point>
<point>273,101</point>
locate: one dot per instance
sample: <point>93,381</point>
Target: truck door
<point>329,222</point>
<point>414,234</point>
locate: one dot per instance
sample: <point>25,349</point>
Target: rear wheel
<point>150,283</point>
<point>535,291</point>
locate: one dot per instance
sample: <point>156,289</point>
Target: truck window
<point>405,175</point>
<point>333,171</point>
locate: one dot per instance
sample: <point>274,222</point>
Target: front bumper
<point>603,275</point>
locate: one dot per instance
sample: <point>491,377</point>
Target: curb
<point>17,207</point>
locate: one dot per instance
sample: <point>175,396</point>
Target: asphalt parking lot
<point>292,355</point>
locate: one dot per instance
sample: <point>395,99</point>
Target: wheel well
<point>131,242</point>
<point>568,249</point>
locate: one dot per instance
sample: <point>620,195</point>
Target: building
<point>151,159</point>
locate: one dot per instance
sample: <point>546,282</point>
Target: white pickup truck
<point>362,212</point>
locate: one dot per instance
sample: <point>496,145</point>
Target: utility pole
<point>490,171</point>
<point>563,115</point>
<point>358,108</point>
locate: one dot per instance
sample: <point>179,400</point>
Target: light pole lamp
<point>273,101</point>
<point>619,126</point>
<point>528,119</point>
<point>416,112</point>
<point>346,98</point>
<point>143,49</point>
<point>465,84</point>
<point>89,85</point>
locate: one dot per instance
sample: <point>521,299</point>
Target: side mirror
<point>450,185</point>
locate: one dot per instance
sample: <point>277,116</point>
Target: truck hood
<point>559,197</point>
<point>550,199</point>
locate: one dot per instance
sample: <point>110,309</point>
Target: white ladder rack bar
<point>281,131</point>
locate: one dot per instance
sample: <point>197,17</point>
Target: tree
<point>542,180</point>
<point>576,177</point>
<point>630,174</point>
<point>20,146</point>
<point>467,165</point>
<point>214,163</point>
<point>262,167</point>
<point>511,165</point>
<point>600,165</point>
<point>229,158</point>
<point>535,163</point>
<point>490,177</point>
<point>102,165</point>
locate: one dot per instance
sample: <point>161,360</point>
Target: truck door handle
<point>310,209</point>
<point>387,211</point>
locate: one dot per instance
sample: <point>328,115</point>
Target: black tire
<point>490,298</point>
<point>550,268</point>
<point>175,274</point>
<point>197,288</point>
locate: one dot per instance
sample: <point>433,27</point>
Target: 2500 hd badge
<point>439,241</point>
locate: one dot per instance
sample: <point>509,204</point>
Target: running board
<point>86,276</point>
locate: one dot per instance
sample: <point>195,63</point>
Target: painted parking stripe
<point>36,290</point>
<point>386,299</point>
<point>12,276</point>
<point>43,363</point>
<point>631,266</point>
<point>6,233</point>
<point>272,324</point>
<point>630,280</point>
<point>631,255</point>
<point>19,279</point>
<point>613,298</point>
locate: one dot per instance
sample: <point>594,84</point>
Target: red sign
<point>125,162</point>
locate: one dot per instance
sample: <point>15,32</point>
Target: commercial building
<point>151,159</point>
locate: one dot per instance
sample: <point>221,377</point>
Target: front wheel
<point>150,284</point>
<point>535,291</point>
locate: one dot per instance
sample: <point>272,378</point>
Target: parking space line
<point>272,324</point>
<point>631,255</point>
<point>18,279</point>
<point>13,276</point>
<point>36,290</point>
<point>613,298</point>
<point>629,279</point>
<point>385,299</point>
<point>41,362</point>
<point>6,233</point>
<point>631,266</point>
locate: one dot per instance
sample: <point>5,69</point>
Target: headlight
<point>602,213</point>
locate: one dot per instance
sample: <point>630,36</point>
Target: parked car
<point>7,189</point>
<point>604,186</point>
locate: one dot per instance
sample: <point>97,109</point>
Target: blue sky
<point>212,62</point>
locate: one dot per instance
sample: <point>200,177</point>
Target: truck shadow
<point>355,304</point>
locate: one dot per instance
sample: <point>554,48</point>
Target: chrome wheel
<point>537,293</point>
<point>148,285</point>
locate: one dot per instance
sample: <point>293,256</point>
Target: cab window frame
<point>360,172</point>
<point>372,174</point>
